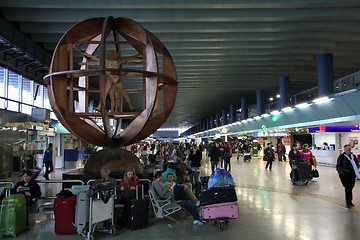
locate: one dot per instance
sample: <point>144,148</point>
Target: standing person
<point>48,161</point>
<point>348,169</point>
<point>214,155</point>
<point>227,157</point>
<point>306,154</point>
<point>294,157</point>
<point>269,156</point>
<point>281,152</point>
<point>195,168</point>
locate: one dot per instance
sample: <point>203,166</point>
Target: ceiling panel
<point>223,51</point>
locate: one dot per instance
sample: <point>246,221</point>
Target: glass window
<point>2,87</point>
<point>13,91</point>
<point>26,96</point>
<point>46,99</point>
<point>38,95</point>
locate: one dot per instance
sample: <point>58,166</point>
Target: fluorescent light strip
<point>287,109</point>
<point>275,112</point>
<point>321,100</point>
<point>302,105</point>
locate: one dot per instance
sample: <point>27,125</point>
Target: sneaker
<point>197,222</point>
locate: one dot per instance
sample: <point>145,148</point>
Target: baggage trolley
<point>301,174</point>
<point>247,156</point>
<point>101,209</point>
<point>220,213</point>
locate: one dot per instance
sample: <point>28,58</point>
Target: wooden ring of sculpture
<point>66,81</point>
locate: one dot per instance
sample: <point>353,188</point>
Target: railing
<point>5,185</point>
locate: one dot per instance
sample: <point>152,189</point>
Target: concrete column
<point>284,83</point>
<point>232,113</point>
<point>244,109</point>
<point>217,123</point>
<point>325,74</point>
<point>211,122</point>
<point>260,103</point>
<point>223,116</point>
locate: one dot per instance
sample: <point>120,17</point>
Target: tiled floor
<point>270,208</point>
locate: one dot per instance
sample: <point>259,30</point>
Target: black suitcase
<point>301,174</point>
<point>218,195</point>
<point>204,180</point>
<point>139,211</point>
<point>304,170</point>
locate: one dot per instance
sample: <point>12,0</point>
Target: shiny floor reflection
<point>270,208</point>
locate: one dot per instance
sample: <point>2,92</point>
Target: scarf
<point>356,170</point>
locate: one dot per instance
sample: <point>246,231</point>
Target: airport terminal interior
<point>89,88</point>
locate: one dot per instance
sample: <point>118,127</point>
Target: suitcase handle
<point>137,191</point>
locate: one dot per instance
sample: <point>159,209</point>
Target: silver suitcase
<point>82,211</point>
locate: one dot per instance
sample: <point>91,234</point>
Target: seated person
<point>183,201</point>
<point>128,192</point>
<point>128,185</point>
<point>28,187</point>
<point>162,189</point>
<point>105,178</point>
<point>104,174</point>
<point>188,191</point>
<point>170,169</point>
<point>170,181</point>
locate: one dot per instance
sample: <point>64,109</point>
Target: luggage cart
<point>301,174</point>
<point>101,210</point>
<point>220,213</point>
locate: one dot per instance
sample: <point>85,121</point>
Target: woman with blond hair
<point>128,185</point>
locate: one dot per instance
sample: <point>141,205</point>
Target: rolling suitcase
<point>139,211</point>
<point>218,195</point>
<point>228,210</point>
<point>13,215</point>
<point>81,211</point>
<point>64,211</point>
<point>303,173</point>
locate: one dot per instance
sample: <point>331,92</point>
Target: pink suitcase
<point>220,210</point>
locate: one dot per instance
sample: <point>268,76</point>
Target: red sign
<point>322,128</point>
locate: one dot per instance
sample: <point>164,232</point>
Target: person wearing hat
<point>269,156</point>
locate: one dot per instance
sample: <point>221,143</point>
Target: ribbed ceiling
<point>223,50</point>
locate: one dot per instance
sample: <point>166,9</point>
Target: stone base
<point>117,159</point>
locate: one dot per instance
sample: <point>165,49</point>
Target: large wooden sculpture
<point>96,65</point>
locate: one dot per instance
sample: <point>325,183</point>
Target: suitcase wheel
<point>221,225</point>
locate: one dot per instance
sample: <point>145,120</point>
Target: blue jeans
<point>191,208</point>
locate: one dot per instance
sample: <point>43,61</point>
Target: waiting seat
<point>163,207</point>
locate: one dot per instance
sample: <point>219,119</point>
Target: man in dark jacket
<point>30,189</point>
<point>195,169</point>
<point>48,161</point>
<point>269,156</point>
<point>214,155</point>
<point>348,169</point>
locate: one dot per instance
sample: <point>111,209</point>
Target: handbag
<point>315,173</point>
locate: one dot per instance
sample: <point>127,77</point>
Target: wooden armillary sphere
<point>96,65</point>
